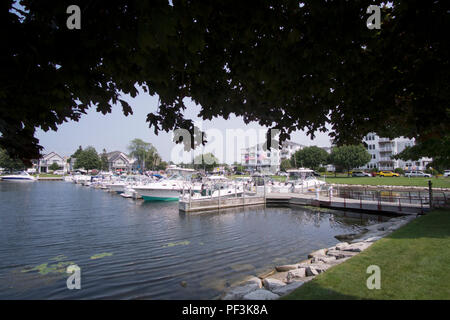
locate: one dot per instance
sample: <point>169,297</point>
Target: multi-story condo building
<point>256,158</point>
<point>382,149</point>
<point>288,148</point>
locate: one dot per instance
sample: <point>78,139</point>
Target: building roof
<point>291,143</point>
<point>51,154</point>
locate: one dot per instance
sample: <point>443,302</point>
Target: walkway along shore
<point>286,278</point>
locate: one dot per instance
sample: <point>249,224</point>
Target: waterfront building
<point>258,158</point>
<point>43,164</point>
<point>119,161</point>
<point>382,151</point>
<point>288,148</point>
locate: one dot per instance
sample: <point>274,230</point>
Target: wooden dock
<point>305,199</point>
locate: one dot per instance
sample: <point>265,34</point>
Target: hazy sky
<point>114,131</point>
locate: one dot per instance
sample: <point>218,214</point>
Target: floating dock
<point>377,206</point>
<point>196,205</point>
<point>308,199</point>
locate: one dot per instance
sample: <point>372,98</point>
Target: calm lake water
<point>130,249</point>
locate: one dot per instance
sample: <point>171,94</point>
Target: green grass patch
<point>413,260</point>
<point>48,175</point>
<point>391,181</point>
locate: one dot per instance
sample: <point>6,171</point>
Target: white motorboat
<point>218,186</point>
<point>117,185</point>
<point>303,180</point>
<point>20,176</point>
<point>168,189</point>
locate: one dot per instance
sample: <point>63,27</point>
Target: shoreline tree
<point>104,161</point>
<point>138,149</point>
<point>349,157</point>
<point>88,159</point>
<point>205,161</point>
<point>6,162</point>
<point>310,157</point>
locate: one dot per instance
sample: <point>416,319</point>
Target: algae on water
<point>180,243</point>
<point>101,255</point>
<point>46,268</point>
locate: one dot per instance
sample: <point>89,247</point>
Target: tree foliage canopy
<point>286,64</point>
<point>104,161</point>
<point>88,159</point>
<point>206,161</point>
<point>309,157</point>
<point>138,149</point>
<point>6,162</point>
<point>285,164</point>
<point>349,156</point>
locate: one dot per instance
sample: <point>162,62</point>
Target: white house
<point>43,165</point>
<point>118,160</point>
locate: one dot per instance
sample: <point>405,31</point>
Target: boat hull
<point>158,194</point>
<point>16,179</point>
<point>151,198</point>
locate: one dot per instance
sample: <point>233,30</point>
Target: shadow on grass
<point>315,291</point>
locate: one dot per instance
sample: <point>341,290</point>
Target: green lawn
<point>48,175</point>
<point>391,181</point>
<point>414,263</point>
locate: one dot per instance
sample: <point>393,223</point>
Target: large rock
<point>288,288</point>
<point>252,280</point>
<point>261,294</point>
<point>324,259</point>
<point>341,245</point>
<point>286,267</point>
<point>295,274</point>
<point>237,293</point>
<point>320,252</point>
<point>340,254</point>
<point>350,236</point>
<point>316,268</point>
<point>311,272</point>
<point>271,284</point>
<point>358,246</point>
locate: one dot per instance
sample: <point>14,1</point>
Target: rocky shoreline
<point>286,278</point>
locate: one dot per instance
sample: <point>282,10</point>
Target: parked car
<point>361,174</point>
<point>58,172</point>
<point>447,173</point>
<point>417,174</point>
<point>388,174</point>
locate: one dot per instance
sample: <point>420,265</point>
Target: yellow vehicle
<point>388,174</point>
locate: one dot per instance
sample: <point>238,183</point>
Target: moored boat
<point>20,176</point>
